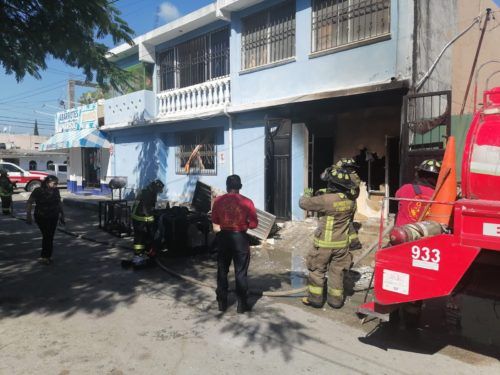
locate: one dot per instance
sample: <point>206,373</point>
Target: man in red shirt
<point>422,188</point>
<point>235,214</point>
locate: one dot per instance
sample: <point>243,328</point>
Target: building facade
<point>77,133</point>
<point>24,151</point>
<point>276,90</point>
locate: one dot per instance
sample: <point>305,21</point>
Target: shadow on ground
<point>86,277</point>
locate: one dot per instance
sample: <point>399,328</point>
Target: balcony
<point>202,99</point>
<point>131,109</point>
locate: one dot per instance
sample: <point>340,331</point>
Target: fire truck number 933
<point>423,257</point>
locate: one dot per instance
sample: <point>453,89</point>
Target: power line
<point>65,72</point>
<point>31,115</point>
<point>43,122</point>
<point>57,83</point>
<point>22,126</point>
<point>32,93</point>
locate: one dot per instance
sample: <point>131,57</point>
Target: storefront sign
<point>84,117</point>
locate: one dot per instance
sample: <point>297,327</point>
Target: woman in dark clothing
<point>48,211</point>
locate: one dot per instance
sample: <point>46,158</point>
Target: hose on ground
<point>192,280</point>
<point>277,293</point>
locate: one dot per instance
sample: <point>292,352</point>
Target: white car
<point>29,180</point>
<point>60,171</point>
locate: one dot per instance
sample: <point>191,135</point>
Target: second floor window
<point>269,36</point>
<point>195,61</point>
<point>339,22</point>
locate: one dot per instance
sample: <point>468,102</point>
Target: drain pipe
<point>230,141</point>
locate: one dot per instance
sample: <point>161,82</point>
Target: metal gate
<point>278,168</point>
<point>426,125</point>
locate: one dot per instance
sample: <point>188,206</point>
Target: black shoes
<point>242,307</point>
<point>317,305</point>
<point>335,302</point>
<point>222,304</point>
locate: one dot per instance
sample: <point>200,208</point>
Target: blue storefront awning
<point>76,138</point>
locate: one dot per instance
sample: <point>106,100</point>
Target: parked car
<point>29,180</point>
<point>60,171</point>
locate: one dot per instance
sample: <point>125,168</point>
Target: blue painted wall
<point>145,153</point>
<point>249,155</point>
<point>360,66</point>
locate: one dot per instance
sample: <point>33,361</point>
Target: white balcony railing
<point>198,98</point>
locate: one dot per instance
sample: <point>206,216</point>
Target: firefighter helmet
<point>348,163</point>
<point>157,185</point>
<point>340,177</point>
<point>430,166</point>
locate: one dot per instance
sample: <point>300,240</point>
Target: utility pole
<point>71,90</point>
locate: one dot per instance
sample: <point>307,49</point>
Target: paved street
<point>85,315</point>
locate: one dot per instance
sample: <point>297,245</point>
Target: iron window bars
<point>196,153</point>
<point>269,36</point>
<point>196,61</point>
<point>340,22</point>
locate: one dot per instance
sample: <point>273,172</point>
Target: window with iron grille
<point>195,61</point>
<point>196,153</point>
<point>340,22</point>
<point>269,36</point>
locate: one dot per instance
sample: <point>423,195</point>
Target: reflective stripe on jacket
<point>144,206</point>
<point>333,228</point>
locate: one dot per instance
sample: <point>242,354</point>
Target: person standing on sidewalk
<point>6,191</point>
<point>330,250</point>
<point>235,214</point>
<point>48,212</point>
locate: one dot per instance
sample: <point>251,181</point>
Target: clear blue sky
<point>19,101</point>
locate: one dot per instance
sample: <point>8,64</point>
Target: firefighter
<point>143,222</point>
<point>422,188</point>
<point>6,191</point>
<point>235,214</point>
<point>330,251</point>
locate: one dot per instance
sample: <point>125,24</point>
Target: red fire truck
<point>465,260</point>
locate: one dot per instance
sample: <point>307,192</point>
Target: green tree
<point>90,97</point>
<point>69,30</point>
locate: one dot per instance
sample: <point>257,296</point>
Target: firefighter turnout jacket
<point>333,228</point>
<point>143,221</point>
<point>143,207</point>
<point>6,191</point>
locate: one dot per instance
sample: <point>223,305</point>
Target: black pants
<point>233,246</point>
<point>48,227</point>
<point>7,204</point>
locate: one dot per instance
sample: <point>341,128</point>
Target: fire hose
<point>192,280</point>
<point>278,293</point>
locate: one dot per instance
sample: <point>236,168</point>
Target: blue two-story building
<point>271,90</point>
